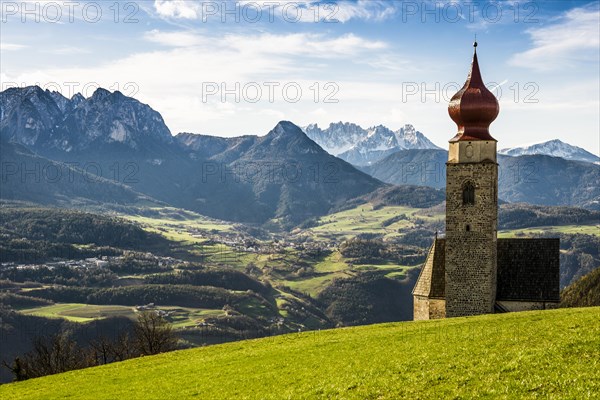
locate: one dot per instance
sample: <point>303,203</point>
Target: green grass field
<point>569,229</point>
<point>542,354</point>
<point>180,317</point>
<point>77,312</point>
<point>364,219</point>
<point>176,224</point>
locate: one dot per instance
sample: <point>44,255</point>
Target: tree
<point>59,353</point>
<point>106,351</point>
<point>124,347</point>
<point>102,350</point>
<point>153,334</point>
<point>17,369</point>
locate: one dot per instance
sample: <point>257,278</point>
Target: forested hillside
<point>584,292</point>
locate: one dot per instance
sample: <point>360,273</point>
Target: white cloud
<point>365,9</point>
<point>177,9</point>
<point>311,44</point>
<point>174,83</point>
<point>573,38</point>
<point>177,39</point>
<point>11,46</point>
<point>293,44</point>
<point>269,10</point>
<point>68,50</point>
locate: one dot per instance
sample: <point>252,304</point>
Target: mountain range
<point>555,148</point>
<point>282,176</point>
<point>536,179</point>
<point>110,148</point>
<point>30,177</point>
<point>361,146</point>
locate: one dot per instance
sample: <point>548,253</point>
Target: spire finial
<point>475,44</point>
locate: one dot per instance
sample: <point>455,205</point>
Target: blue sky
<point>365,61</point>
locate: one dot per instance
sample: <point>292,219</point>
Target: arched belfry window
<point>468,194</point>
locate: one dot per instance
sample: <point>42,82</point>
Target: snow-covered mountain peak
<point>555,148</point>
<point>364,146</point>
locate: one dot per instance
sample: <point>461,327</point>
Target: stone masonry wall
<point>471,230</point>
<point>425,308</point>
<point>420,308</point>
<point>437,309</point>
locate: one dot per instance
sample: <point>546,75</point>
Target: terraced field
<point>179,316</point>
<point>389,222</point>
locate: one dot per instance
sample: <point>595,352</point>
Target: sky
<point>230,68</point>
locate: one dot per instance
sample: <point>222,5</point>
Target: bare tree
<point>54,355</point>
<point>153,334</point>
<point>124,347</point>
<point>60,353</point>
<point>102,350</point>
<point>106,351</point>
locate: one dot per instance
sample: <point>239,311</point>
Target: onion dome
<point>473,108</point>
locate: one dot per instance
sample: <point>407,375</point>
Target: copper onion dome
<point>473,108</point>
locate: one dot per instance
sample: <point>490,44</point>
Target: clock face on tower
<point>469,151</point>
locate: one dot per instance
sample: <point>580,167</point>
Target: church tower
<point>471,201</point>
<point>470,271</point>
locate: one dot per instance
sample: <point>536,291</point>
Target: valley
<point>228,281</point>
<point>236,238</point>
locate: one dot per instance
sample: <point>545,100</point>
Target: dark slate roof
<point>528,269</point>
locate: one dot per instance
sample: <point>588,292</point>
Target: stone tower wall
<point>471,244</point>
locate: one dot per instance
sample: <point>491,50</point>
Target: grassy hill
<point>545,354</point>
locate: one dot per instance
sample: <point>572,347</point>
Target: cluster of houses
<point>153,307</point>
<point>101,262</point>
<point>93,262</point>
<point>237,241</point>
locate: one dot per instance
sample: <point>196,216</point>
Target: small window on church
<point>468,228</point>
<point>468,195</point>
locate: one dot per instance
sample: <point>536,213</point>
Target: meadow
<point>541,230</point>
<point>367,219</point>
<point>180,317</point>
<point>541,354</point>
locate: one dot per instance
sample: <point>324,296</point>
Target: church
<point>470,271</point>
